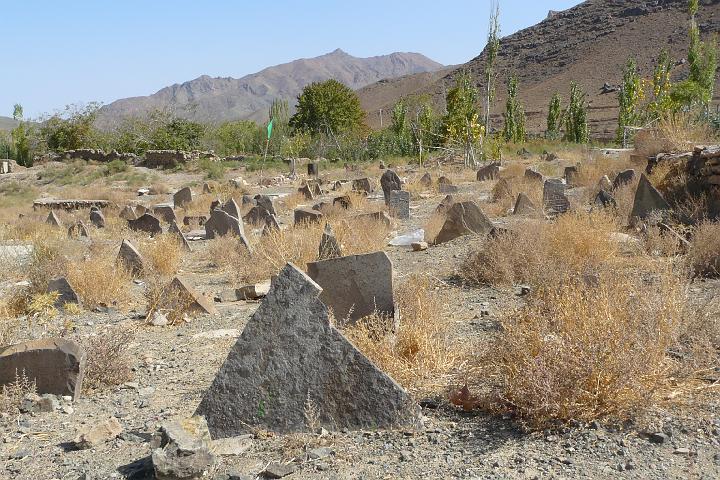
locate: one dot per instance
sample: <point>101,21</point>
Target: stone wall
<point>97,155</point>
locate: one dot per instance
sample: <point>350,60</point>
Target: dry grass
<point>703,256</point>
<point>99,281</point>
<point>420,354</point>
<point>578,353</point>
<point>12,394</point>
<point>108,361</point>
<point>503,199</point>
<point>677,133</point>
<point>290,202</point>
<point>162,254</point>
<point>575,245</point>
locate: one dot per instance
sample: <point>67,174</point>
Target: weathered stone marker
<point>64,289</point>
<point>174,229</point>
<point>399,204</point>
<point>77,230</point>
<point>647,201</point>
<point>488,172</point>
<point>256,216</point>
<point>221,223</point>
<point>329,246</point>
<point>464,218</point>
<point>165,213</point>
<point>265,202</point>
<point>53,219</point>
<point>389,183</point>
<point>426,180</point>
<point>356,286</point>
<point>182,197</point>
<point>57,365</point>
<point>290,354</point>
<point>362,185</point>
<point>554,199</point>
<point>524,206</point>
<point>97,218</point>
<point>128,213</point>
<point>193,301</point>
<point>146,223</point>
<point>306,215</point>
<point>231,208</point>
<point>623,178</point>
<point>130,258</point>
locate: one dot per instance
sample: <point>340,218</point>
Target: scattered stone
<point>128,213</point>
<point>221,224</point>
<point>198,220</point>
<point>183,197</point>
<point>604,183</point>
<point>604,199</point>
<point>77,230</point>
<point>206,188</point>
<point>501,190</point>
<point>647,201</point>
<point>554,199</point>
<point>265,202</point>
<point>623,178</point>
<point>445,205</point>
<point>130,257</point>
<point>362,185</point>
<point>681,451</point>
<point>329,246</point>
<point>399,204</point>
<point>355,286</point>
<point>389,181</point>
<point>66,293</point>
<point>524,206</point>
<point>306,192</point>
<point>174,229</point>
<point>289,353</point>
<point>489,172</point>
<point>97,218</point>
<point>256,216</point>
<point>344,201</point>
<point>255,291</point>
<point>231,208</point>
<point>146,223</point>
<point>426,180</point>
<point>278,470</point>
<point>419,246</point>
<point>159,320</point>
<point>447,188</point>
<point>307,215</point>
<point>320,452</point>
<point>95,435</point>
<point>463,218</point>
<point>57,365</point>
<point>53,219</point>
<point>33,403</point>
<point>192,301</point>
<point>533,176</point>
<point>165,213</point>
<point>183,450</point>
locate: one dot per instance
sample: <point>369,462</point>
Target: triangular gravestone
<point>53,219</point>
<point>182,197</point>
<point>190,299</point>
<point>66,294</point>
<point>463,218</point>
<point>173,229</point>
<point>128,213</point>
<point>524,206</point>
<point>488,172</point>
<point>329,246</point>
<point>647,201</point>
<point>426,180</point>
<point>130,258</point>
<point>222,223</point>
<point>77,230</point>
<point>289,356</point>
<point>231,208</point>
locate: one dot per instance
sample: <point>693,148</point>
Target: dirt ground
<point>172,367</point>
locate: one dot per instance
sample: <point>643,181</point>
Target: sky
<point>60,52</point>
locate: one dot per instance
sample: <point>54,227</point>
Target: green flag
<point>270,125</point>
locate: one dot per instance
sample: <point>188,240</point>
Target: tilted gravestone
<point>53,219</point>
<point>231,208</point>
<point>554,199</point>
<point>97,218</point>
<point>488,172</point>
<point>265,202</point>
<point>289,356</point>
<point>77,230</point>
<point>66,294</point>
<point>524,206</point>
<point>256,216</point>
<point>389,182</point>
<point>130,258</point>
<point>399,204</point>
<point>356,286</point>
<point>165,213</point>
<point>362,185</point>
<point>426,180</point>
<point>222,223</point>
<point>604,199</point>
<point>146,223</point>
<point>56,365</point>
<point>445,205</point>
<point>182,197</point>
<point>648,201</point>
<point>329,246</point>
<point>623,178</point>
<point>464,218</point>
<point>570,174</point>
<point>174,229</point>
<point>190,299</point>
<point>306,215</point>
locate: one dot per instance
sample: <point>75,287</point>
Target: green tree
<point>21,138</point>
<point>662,85</point>
<point>177,134</point>
<point>72,129</point>
<point>328,107</point>
<point>514,129</point>
<point>461,121</point>
<point>399,118</point>
<point>491,52</point>
<point>234,138</point>
<point>629,99</point>
<point>279,113</point>
<point>554,118</point>
<point>576,126</point>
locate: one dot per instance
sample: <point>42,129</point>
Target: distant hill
<point>210,99</point>
<point>589,43</point>
<point>7,123</point>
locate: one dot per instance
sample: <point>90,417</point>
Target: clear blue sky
<point>57,52</point>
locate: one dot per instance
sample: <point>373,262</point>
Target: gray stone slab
<point>182,197</point>
<point>222,223</point>
<point>130,258</point>
<point>389,182</point>
<point>399,204</point>
<point>288,355</point>
<point>648,201</point>
<point>146,223</point>
<point>555,201</point>
<point>463,218</point>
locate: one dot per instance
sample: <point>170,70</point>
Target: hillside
<point>7,123</point>
<point>210,99</point>
<point>588,43</point>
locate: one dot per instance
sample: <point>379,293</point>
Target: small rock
<point>159,320</point>
<point>318,453</point>
<point>278,470</point>
<point>657,437</point>
<point>682,451</point>
<point>98,434</point>
<point>419,246</point>
<point>233,446</point>
<point>405,456</point>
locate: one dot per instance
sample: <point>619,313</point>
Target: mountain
<point>208,99</point>
<point>589,44</point>
<point>7,123</point>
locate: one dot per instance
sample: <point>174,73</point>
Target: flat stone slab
<point>290,354</point>
<point>355,286</point>
<point>57,365</point>
<point>399,204</point>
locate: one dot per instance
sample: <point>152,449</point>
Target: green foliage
<point>178,134</point>
<point>280,114</point>
<point>554,118</point>
<point>213,170</point>
<point>235,138</point>
<point>17,112</point>
<point>629,99</point>
<point>399,118</point>
<point>514,129</point>
<point>576,126</point>
<point>462,111</point>
<point>71,129</point>
<point>21,143</point>
<point>115,167</point>
<point>328,107</point>
<point>662,103</point>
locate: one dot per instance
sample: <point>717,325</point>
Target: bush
<point>108,362</point>
<point>703,256</point>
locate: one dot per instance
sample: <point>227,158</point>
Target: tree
<point>328,107</point>
<point>461,121</point>
<point>492,49</point>
<point>554,118</point>
<point>177,134</point>
<point>399,118</point>
<point>662,86</point>
<point>21,138</point>
<point>279,113</point>
<point>514,129</point>
<point>629,98</point>
<point>237,137</point>
<point>576,127</point>
<point>71,129</point>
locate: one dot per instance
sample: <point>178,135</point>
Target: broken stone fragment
<point>95,435</point>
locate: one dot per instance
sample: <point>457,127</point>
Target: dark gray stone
<point>362,185</point>
<point>399,204</point>
<point>265,202</point>
<point>222,223</point>
<point>97,218</point>
<point>146,223</point>
<point>231,208</point>
<point>426,180</point>
<point>271,225</point>
<point>389,181</point>
<point>447,188</point>
<point>182,197</point>
<point>289,354</point>
<point>571,174</point>
<point>165,213</point>
<point>57,365</point>
<point>128,213</point>
<point>623,178</point>
<point>533,176</point>
<point>63,287</point>
<point>257,215</point>
<point>604,199</point>
<point>306,215</point>
<point>524,206</point>
<point>329,246</point>
<point>355,286</point>
<point>130,257</point>
<point>306,192</point>
<point>463,218</point>
<point>488,172</point>
<point>648,201</point>
<point>554,199</point>
<point>344,201</point>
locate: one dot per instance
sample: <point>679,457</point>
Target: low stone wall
<point>166,158</point>
<point>97,155</point>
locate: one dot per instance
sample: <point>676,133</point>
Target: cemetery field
<point>546,317</point>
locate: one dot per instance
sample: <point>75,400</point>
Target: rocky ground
<point>174,365</point>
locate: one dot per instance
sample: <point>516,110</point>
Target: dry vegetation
<point>108,362</point>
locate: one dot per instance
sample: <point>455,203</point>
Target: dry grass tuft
<point>703,256</point>
<point>679,132</point>
<point>108,361</point>
<point>163,255</point>
<point>12,394</point>
<point>419,354</point>
<point>99,281</point>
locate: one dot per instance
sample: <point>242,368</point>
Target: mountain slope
<point>7,123</point>
<point>209,99</point>
<point>588,43</point>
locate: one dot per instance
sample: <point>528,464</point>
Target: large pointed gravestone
<point>53,219</point>
<point>182,197</point>
<point>130,258</point>
<point>290,356</point>
<point>464,218</point>
<point>647,201</point>
<point>355,286</point>
<point>222,223</point>
<point>174,229</point>
<point>524,206</point>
